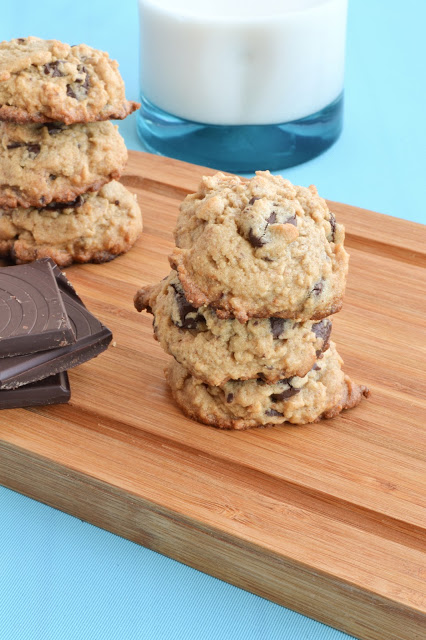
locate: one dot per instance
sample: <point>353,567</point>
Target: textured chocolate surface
<point>92,337</point>
<point>32,313</point>
<point>52,390</point>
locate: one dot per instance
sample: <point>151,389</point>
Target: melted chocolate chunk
<point>53,128</point>
<point>70,92</point>
<point>185,308</point>
<point>272,412</point>
<point>254,240</point>
<point>272,218</point>
<point>229,397</point>
<point>52,177</point>
<point>316,367</point>
<point>85,84</point>
<point>322,330</point>
<point>34,149</point>
<point>15,145</point>
<point>52,69</point>
<point>318,287</point>
<point>65,205</point>
<point>277,326</point>
<point>253,200</point>
<point>117,202</point>
<point>287,393</point>
<point>292,220</point>
<point>21,40</point>
<point>79,88</point>
<point>332,222</point>
<point>284,395</point>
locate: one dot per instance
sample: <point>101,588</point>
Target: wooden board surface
<point>327,519</point>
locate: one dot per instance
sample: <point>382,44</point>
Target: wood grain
<point>327,519</point>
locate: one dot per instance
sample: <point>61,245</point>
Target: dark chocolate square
<point>32,313</point>
<point>51,390</point>
<point>92,337</point>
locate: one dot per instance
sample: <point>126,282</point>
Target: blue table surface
<point>61,578</point>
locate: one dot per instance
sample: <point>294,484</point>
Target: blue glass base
<point>244,148</point>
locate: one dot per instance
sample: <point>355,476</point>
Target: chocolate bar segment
<point>52,390</point>
<point>32,313</point>
<point>92,337</point>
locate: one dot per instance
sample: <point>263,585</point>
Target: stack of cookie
<point>60,157</point>
<point>258,269</point>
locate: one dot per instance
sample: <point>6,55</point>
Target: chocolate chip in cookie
<point>188,315</point>
<point>79,88</point>
<point>287,393</point>
<point>318,287</point>
<point>273,413</point>
<point>53,70</point>
<point>322,330</point>
<point>277,326</point>
<point>53,206</point>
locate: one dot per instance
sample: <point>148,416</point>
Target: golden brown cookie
<point>41,163</point>
<point>260,248</point>
<point>96,227</point>
<point>217,350</point>
<point>323,393</point>
<point>47,81</point>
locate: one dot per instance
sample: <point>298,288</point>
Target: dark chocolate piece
<point>277,326</point>
<point>92,338</point>
<point>318,287</point>
<point>52,69</point>
<point>287,393</point>
<point>255,240</point>
<point>32,313</point>
<point>57,206</point>
<point>16,145</point>
<point>53,127</point>
<point>33,149</point>
<point>52,390</point>
<point>185,308</point>
<point>284,395</point>
<point>273,412</point>
<point>70,92</point>
<point>322,330</point>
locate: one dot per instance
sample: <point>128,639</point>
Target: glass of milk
<point>241,85</point>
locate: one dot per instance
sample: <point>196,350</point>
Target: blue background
<point>61,578</point>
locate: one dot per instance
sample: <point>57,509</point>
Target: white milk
<point>235,62</point>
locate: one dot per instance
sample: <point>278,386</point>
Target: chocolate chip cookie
<point>48,81</point>
<point>95,227</point>
<point>260,248</point>
<point>323,393</point>
<point>216,350</point>
<point>41,163</point>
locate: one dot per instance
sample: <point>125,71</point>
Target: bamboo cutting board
<point>327,519</point>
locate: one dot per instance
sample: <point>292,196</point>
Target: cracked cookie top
<point>260,248</point>
<point>41,163</point>
<point>47,80</point>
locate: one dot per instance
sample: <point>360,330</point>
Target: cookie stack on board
<point>258,270</point>
<point>60,157</point>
